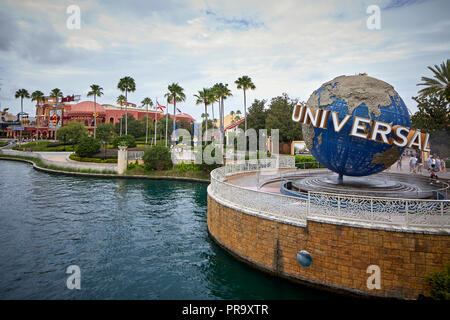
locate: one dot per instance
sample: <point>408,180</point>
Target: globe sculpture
<point>361,96</point>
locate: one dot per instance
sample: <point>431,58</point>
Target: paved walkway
<point>63,157</point>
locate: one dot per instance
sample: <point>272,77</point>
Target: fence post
<point>339,206</point>
<point>309,204</point>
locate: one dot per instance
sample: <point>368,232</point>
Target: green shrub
<point>87,147</point>
<point>306,162</point>
<point>125,139</point>
<point>185,167</point>
<point>157,158</point>
<point>440,283</point>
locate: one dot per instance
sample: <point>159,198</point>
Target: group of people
<point>433,164</point>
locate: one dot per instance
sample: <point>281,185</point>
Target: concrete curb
<point>104,175</point>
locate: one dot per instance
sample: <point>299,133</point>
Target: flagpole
<point>156,116</point>
<point>167,116</point>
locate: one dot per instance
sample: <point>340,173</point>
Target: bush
<point>307,162</point>
<point>126,139</point>
<point>87,147</point>
<point>185,167</point>
<point>157,158</point>
<point>440,283</point>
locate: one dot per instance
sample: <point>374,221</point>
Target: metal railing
<point>405,214</point>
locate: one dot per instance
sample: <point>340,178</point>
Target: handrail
<point>406,214</point>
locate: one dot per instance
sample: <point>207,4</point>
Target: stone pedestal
<point>122,160</point>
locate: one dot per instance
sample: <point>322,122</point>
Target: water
<point>132,239</point>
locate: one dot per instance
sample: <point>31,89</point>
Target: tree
<point>135,128</point>
<point>72,133</point>
<point>121,100</point>
<point>147,102</point>
<point>96,91</point>
<point>22,94</point>
<point>157,158</point>
<point>213,96</point>
<point>245,83</point>
<point>125,139</point>
<point>56,94</point>
<point>105,132</point>
<point>126,84</point>
<point>224,92</point>
<point>203,97</point>
<point>177,95</point>
<point>37,96</point>
<point>87,147</point>
<point>256,117</point>
<point>433,117</point>
<point>278,117</point>
<point>440,85</point>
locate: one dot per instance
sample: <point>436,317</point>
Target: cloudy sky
<point>287,46</point>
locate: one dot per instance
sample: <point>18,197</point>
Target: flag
<point>160,107</point>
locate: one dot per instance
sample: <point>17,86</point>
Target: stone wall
<point>341,254</point>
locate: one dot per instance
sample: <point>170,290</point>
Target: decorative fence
<point>404,214</point>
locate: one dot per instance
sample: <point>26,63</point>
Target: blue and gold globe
<point>361,96</point>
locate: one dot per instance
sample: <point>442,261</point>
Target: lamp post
<point>104,149</point>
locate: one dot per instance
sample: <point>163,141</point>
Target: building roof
<point>86,108</point>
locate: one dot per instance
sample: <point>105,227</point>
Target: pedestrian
<point>438,163</point>
<point>399,162</point>
<point>427,163</point>
<point>412,164</point>
<point>419,163</point>
<point>443,169</point>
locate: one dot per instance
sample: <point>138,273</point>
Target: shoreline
<point>101,175</point>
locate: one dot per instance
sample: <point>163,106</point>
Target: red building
<point>83,112</point>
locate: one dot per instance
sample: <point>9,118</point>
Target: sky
<point>285,46</point>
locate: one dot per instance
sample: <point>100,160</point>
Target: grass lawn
<point>44,146</point>
<point>140,170</point>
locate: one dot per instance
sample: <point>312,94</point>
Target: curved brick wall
<point>341,253</point>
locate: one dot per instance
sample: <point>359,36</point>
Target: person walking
<point>419,163</point>
<point>412,164</point>
<point>438,163</point>
<point>399,162</point>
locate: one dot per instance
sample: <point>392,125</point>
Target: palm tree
<point>147,102</point>
<point>96,91</point>
<point>22,93</point>
<point>245,83</point>
<point>56,94</point>
<point>37,96</point>
<point>203,97</point>
<point>177,95</point>
<point>120,101</point>
<point>126,84</point>
<point>224,92</point>
<point>440,85</point>
<point>232,116</point>
<point>213,97</point>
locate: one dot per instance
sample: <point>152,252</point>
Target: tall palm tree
<point>213,97</point>
<point>96,91</point>
<point>245,83</point>
<point>224,92</point>
<point>440,83</point>
<point>22,94</point>
<point>120,101</point>
<point>37,96</point>
<point>147,102</point>
<point>177,95</point>
<point>126,84</point>
<point>56,94</point>
<point>203,97</point>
